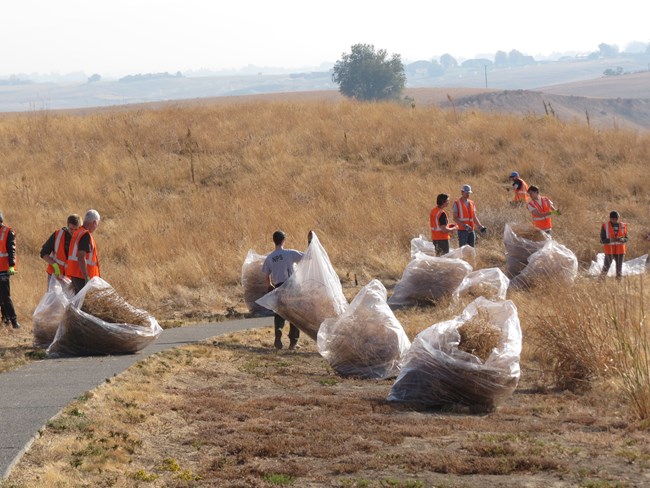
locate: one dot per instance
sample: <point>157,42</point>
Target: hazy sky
<point>119,37</point>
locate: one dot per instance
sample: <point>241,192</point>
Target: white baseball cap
<point>466,189</point>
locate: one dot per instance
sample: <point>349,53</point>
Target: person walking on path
<point>278,267</point>
<point>541,208</point>
<point>55,250</point>
<point>82,263</point>
<point>7,269</point>
<point>466,218</point>
<point>613,236</point>
<point>441,229</point>
<point>520,188</point>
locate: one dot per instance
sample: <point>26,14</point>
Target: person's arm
<point>444,224</point>
<point>11,248</point>
<point>48,249</point>
<point>81,257</point>
<point>603,235</point>
<point>456,216</point>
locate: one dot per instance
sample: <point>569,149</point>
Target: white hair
<point>91,216</point>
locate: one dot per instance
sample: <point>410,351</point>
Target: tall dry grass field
<point>185,192</point>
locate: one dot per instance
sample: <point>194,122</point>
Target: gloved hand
<point>12,271</point>
<point>622,239</point>
<point>483,230</point>
<point>57,270</point>
<point>555,212</point>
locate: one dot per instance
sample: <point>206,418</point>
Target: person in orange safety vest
<point>465,217</point>
<point>541,208</point>
<point>55,250</point>
<point>441,229</point>
<point>613,236</point>
<point>82,263</point>
<point>7,269</point>
<point>520,187</point>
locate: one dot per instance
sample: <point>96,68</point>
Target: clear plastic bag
<point>630,267</point>
<point>427,279</point>
<point>553,263</point>
<point>521,241</point>
<point>437,373</point>
<point>490,283</point>
<point>50,310</point>
<point>121,328</point>
<point>312,293</point>
<point>254,282</point>
<point>425,246</point>
<point>366,340</point>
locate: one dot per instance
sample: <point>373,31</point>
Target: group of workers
<point>69,252</point>
<point>613,234</point>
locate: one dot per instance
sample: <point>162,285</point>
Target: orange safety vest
<point>4,254</point>
<point>59,252</point>
<point>72,268</point>
<point>619,247</point>
<point>542,223</point>
<point>521,195</point>
<point>466,214</point>
<point>436,229</point>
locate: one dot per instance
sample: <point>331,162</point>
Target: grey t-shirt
<point>280,264</point>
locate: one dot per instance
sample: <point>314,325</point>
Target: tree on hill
<point>448,61</point>
<point>368,75</point>
<point>500,59</point>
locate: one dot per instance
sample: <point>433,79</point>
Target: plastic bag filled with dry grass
<point>554,263</point>
<point>437,372</point>
<point>521,241</point>
<point>427,279</point>
<point>312,293</point>
<point>254,281</point>
<point>50,310</point>
<point>631,267</point>
<point>98,321</point>
<point>490,283</point>
<point>425,246</point>
<point>366,340</point>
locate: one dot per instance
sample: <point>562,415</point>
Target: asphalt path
<point>32,395</point>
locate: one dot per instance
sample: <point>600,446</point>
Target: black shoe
<point>293,345</point>
<point>278,343</point>
<point>5,320</point>
<point>15,324</point>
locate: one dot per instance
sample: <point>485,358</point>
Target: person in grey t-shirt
<point>278,267</point>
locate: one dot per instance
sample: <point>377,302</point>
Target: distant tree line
<point>149,76</point>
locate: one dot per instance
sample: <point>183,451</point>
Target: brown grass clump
<point>427,279</point>
<point>107,305</point>
<point>478,336</point>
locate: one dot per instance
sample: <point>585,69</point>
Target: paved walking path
<point>36,392</point>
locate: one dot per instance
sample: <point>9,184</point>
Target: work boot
<point>293,345</point>
<point>15,324</point>
<point>5,320</point>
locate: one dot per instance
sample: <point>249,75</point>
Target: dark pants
<point>466,237</point>
<point>618,258</point>
<point>294,332</point>
<point>278,321</point>
<point>77,284</point>
<point>8,311</point>
<point>442,246</point>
